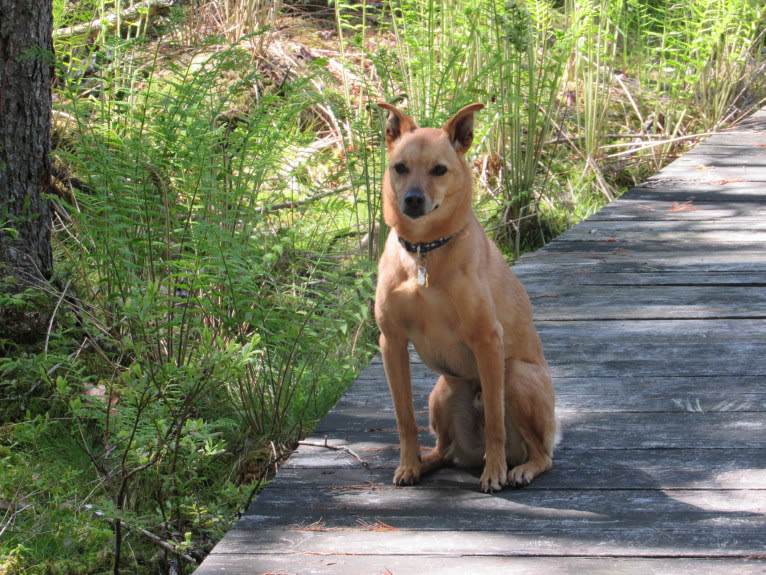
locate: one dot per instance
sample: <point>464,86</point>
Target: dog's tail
<point>557,437</point>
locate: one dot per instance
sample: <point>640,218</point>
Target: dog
<point>444,287</point>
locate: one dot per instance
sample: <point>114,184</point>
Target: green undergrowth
<point>207,317</point>
<point>217,223</point>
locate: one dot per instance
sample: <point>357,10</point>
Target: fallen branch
<point>149,535</point>
<point>326,445</point>
<point>298,203</point>
<point>141,11</point>
<point>648,145</point>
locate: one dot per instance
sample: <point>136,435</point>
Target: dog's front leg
<point>396,362</point>
<point>488,351</point>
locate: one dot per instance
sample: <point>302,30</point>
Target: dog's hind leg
<point>539,461</point>
<point>531,402</point>
<point>441,424</point>
<point>457,419</point>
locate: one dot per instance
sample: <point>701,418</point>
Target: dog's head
<point>427,187</point>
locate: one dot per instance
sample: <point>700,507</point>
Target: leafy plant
<point>205,296</point>
<point>523,78</point>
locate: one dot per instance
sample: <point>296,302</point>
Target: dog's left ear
<point>459,127</point>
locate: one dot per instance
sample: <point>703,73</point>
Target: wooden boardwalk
<point>653,318</point>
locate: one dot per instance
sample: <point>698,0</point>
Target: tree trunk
<point>26,73</point>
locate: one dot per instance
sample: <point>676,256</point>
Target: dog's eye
<point>438,170</point>
<point>400,168</point>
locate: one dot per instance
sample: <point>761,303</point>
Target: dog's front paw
<point>407,475</point>
<point>493,478</point>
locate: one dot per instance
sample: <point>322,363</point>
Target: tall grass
<point>522,81</point>
<point>244,17</point>
<point>439,57</point>
<point>704,51</point>
<point>565,86</point>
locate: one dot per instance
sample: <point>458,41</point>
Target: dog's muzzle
<point>413,204</point>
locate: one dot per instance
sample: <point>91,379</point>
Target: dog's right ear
<point>398,123</point>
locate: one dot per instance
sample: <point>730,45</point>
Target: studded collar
<point>422,248</point>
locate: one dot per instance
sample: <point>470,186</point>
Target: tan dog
<point>445,287</point>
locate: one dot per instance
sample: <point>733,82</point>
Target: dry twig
<point>326,445</point>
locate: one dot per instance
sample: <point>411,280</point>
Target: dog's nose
<point>414,203</point>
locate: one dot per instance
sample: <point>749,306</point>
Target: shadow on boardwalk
<point>653,315</point>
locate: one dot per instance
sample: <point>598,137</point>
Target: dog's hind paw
<point>520,476</point>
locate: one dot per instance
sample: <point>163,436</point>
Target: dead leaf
<point>684,207</point>
<point>318,525</point>
<point>377,525</point>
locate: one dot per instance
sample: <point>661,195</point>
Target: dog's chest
<point>431,323</point>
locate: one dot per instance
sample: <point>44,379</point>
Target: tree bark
<point>26,74</point>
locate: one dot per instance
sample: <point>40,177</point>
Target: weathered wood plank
<point>601,394</point>
<point>537,278</point>
<point>635,541</point>
<point>631,349</point>
<point>697,514</point>
<point>662,394</point>
<point>346,564</point>
<point>369,430</point>
<point>625,261</point>
<point>674,200</point>
<point>703,232</point>
<point>560,302</point>
<point>659,348</point>
<point>575,468</point>
<point>713,151</point>
<point>739,139</point>
<point>650,250</point>
<point>722,168</point>
<point>629,468</point>
<point>660,188</point>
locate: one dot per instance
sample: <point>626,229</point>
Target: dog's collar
<point>421,248</point>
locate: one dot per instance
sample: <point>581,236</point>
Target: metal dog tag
<point>422,276</point>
